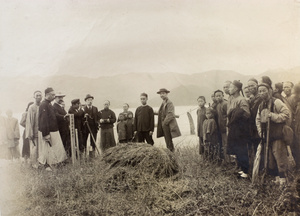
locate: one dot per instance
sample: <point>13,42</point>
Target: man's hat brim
<point>163,90</point>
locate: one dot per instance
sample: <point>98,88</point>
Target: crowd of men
<point>237,125</point>
<point>46,138</point>
<point>233,126</point>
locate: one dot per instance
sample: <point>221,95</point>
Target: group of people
<point>237,125</point>
<point>233,126</point>
<point>46,138</point>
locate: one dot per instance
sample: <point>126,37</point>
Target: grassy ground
<point>200,188</point>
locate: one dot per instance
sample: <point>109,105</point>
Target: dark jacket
<point>94,117</point>
<point>166,116</point>
<point>144,119</point>
<point>62,122</point>
<point>47,118</point>
<point>78,117</point>
<point>238,130</point>
<point>253,105</point>
<point>106,114</point>
<point>200,120</point>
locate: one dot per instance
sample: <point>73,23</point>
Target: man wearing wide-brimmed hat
<point>167,125</point>
<point>91,116</point>
<point>62,121</point>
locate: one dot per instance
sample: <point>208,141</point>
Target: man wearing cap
<point>62,121</point>
<point>51,149</point>
<point>31,128</point>
<point>167,125</point>
<point>144,121</point>
<point>78,113</point>
<point>91,118</point>
<point>238,114</point>
<point>278,113</point>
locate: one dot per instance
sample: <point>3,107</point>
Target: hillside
<point>16,92</point>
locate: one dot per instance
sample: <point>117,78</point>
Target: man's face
<point>59,100</point>
<point>89,101</point>
<point>247,93</point>
<point>51,95</point>
<point>163,95</point>
<point>201,102</point>
<point>38,97</point>
<point>125,107</point>
<point>287,88</point>
<point>213,97</point>
<point>252,87</point>
<point>263,92</point>
<point>121,117</point>
<point>106,104</point>
<point>144,100</point>
<point>232,89</point>
<point>219,96</point>
<point>226,88</point>
<point>208,115</point>
<point>76,106</point>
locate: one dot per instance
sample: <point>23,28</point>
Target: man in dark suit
<point>78,113</point>
<point>91,116</point>
<point>167,125</point>
<point>62,121</point>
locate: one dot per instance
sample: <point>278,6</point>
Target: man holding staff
<point>278,114</point>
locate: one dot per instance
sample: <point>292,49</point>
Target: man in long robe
<point>51,149</point>
<point>31,128</point>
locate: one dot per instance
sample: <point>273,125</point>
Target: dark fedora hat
<point>75,101</point>
<point>88,96</point>
<point>163,90</point>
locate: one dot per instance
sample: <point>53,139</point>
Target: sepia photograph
<point>149,107</point>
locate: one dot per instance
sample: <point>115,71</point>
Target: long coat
<point>166,115</point>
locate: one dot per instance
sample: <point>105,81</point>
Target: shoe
<point>282,181</point>
<point>277,180</point>
<point>240,172</point>
<point>244,175</point>
<point>48,169</point>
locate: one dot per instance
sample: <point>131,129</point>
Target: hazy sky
<point>93,38</point>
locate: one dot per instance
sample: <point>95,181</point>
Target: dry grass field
<point>108,186</point>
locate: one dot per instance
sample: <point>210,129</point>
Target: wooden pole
<point>77,144</point>
<point>192,125</point>
<point>72,138</point>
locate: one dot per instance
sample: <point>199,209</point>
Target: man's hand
<point>47,138</point>
<point>108,120</point>
<point>150,133</point>
<point>101,120</point>
<point>134,133</point>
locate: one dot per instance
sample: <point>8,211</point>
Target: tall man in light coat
<point>167,125</point>
<point>32,129</point>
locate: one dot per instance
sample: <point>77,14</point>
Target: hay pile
<point>142,158</point>
<point>129,166</point>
